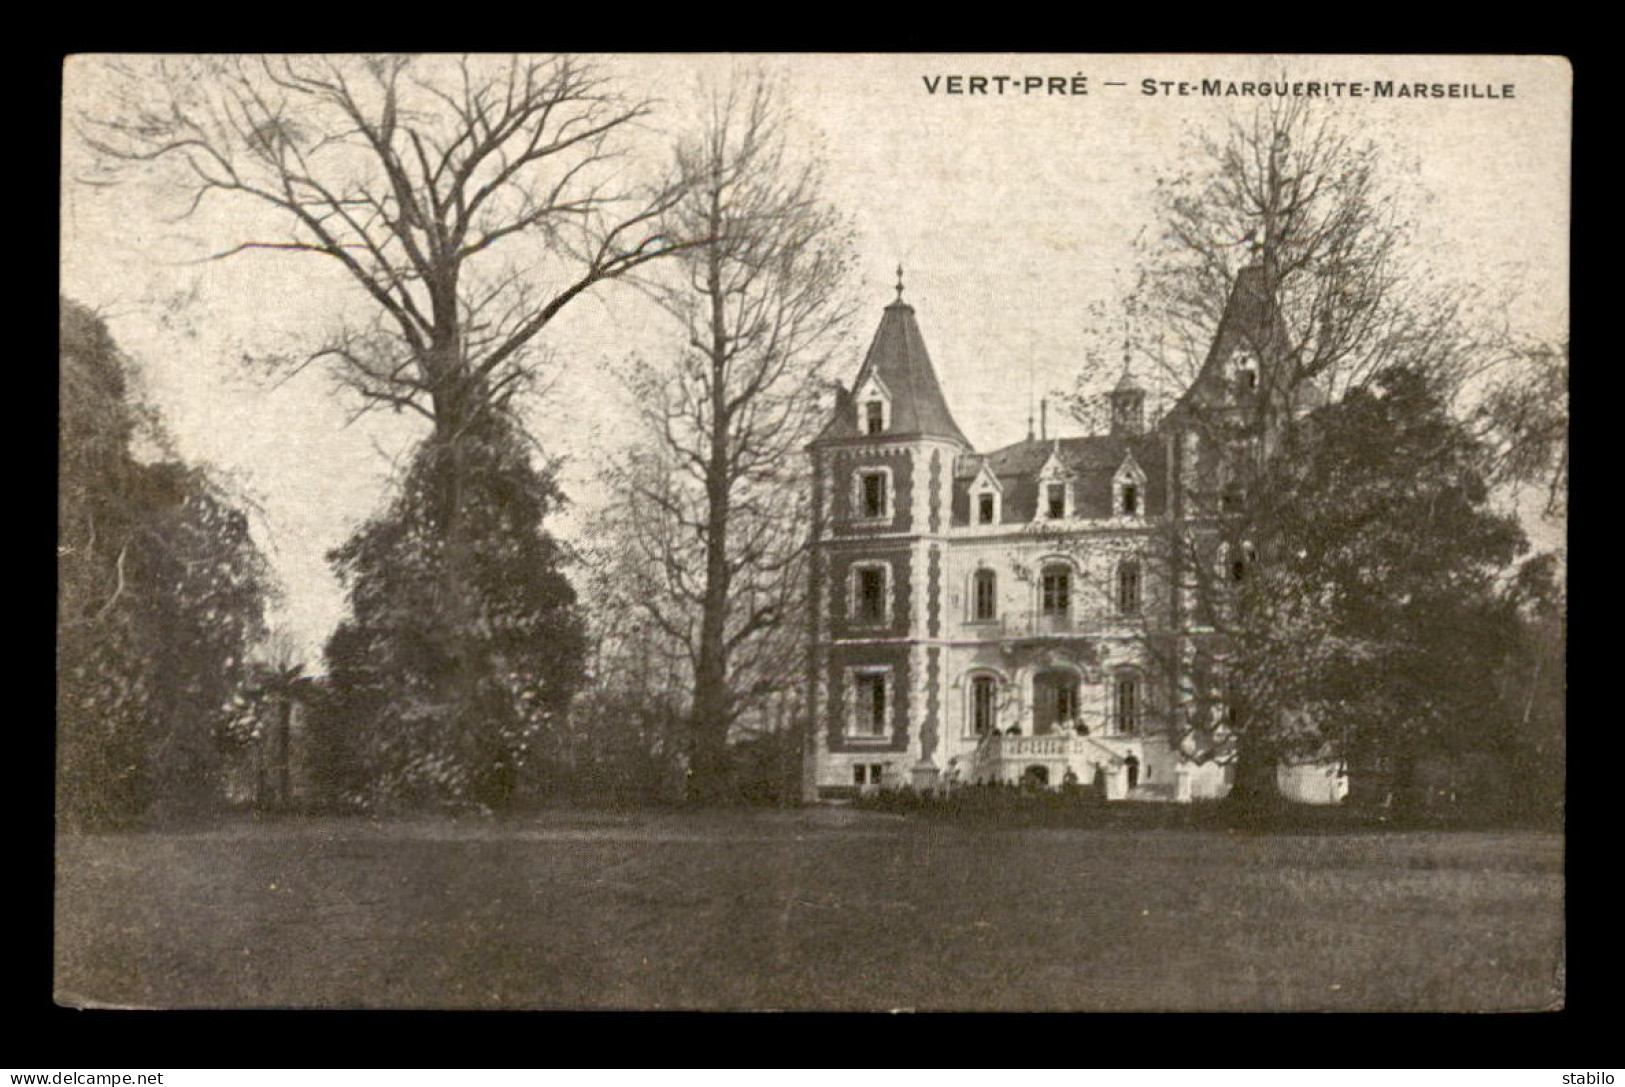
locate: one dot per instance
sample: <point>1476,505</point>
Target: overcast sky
<point>1013,215</point>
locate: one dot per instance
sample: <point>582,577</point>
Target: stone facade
<point>1002,615</point>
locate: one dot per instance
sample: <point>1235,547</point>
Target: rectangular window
<point>1057,592</point>
<point>876,773</point>
<point>871,595</point>
<point>869,705</point>
<point>1128,589</point>
<point>1128,703</point>
<point>860,774</point>
<point>984,509</point>
<point>1066,703</point>
<point>1131,499</point>
<point>874,494</point>
<point>986,608</point>
<point>876,416</point>
<point>983,691</point>
<point>1057,500</point>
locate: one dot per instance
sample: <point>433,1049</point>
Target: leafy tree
<point>456,701</point>
<point>161,593</point>
<point>1380,614</point>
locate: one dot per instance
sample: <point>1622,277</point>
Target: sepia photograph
<point>813,532</point>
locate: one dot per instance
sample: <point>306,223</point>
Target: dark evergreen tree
<point>1382,606</point>
<point>463,649</point>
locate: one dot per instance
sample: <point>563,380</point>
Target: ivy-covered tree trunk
<point>161,595</point>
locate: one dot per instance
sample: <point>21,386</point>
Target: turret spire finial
<point>899,281</point>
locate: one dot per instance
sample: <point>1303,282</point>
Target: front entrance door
<point>1055,700</point>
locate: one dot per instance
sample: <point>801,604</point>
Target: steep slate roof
<point>898,355</point>
<point>1093,461</point>
<point>1245,323</point>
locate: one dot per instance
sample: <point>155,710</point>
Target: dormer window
<point>1054,491</point>
<point>1128,489</point>
<point>874,405</point>
<point>1246,371</point>
<point>874,417</point>
<point>985,494</point>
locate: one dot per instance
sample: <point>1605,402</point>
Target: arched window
<point>1126,697</point>
<point>1128,587</point>
<point>1131,499</point>
<point>1241,562</point>
<point>1055,701</point>
<point>984,596</point>
<point>984,704</point>
<point>1056,590</point>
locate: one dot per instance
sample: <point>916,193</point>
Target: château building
<point>1011,615</point>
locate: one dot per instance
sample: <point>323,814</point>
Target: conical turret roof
<point>898,357</point>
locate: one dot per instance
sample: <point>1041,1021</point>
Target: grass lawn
<point>814,909</point>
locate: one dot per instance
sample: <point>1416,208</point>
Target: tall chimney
<point>1043,419</point>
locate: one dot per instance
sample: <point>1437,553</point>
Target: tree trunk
<point>712,704</point>
<point>284,749</point>
<point>456,405</point>
<point>1255,788</point>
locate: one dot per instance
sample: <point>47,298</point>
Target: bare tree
<point>470,200</point>
<point>713,496</point>
<point>1525,418</point>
